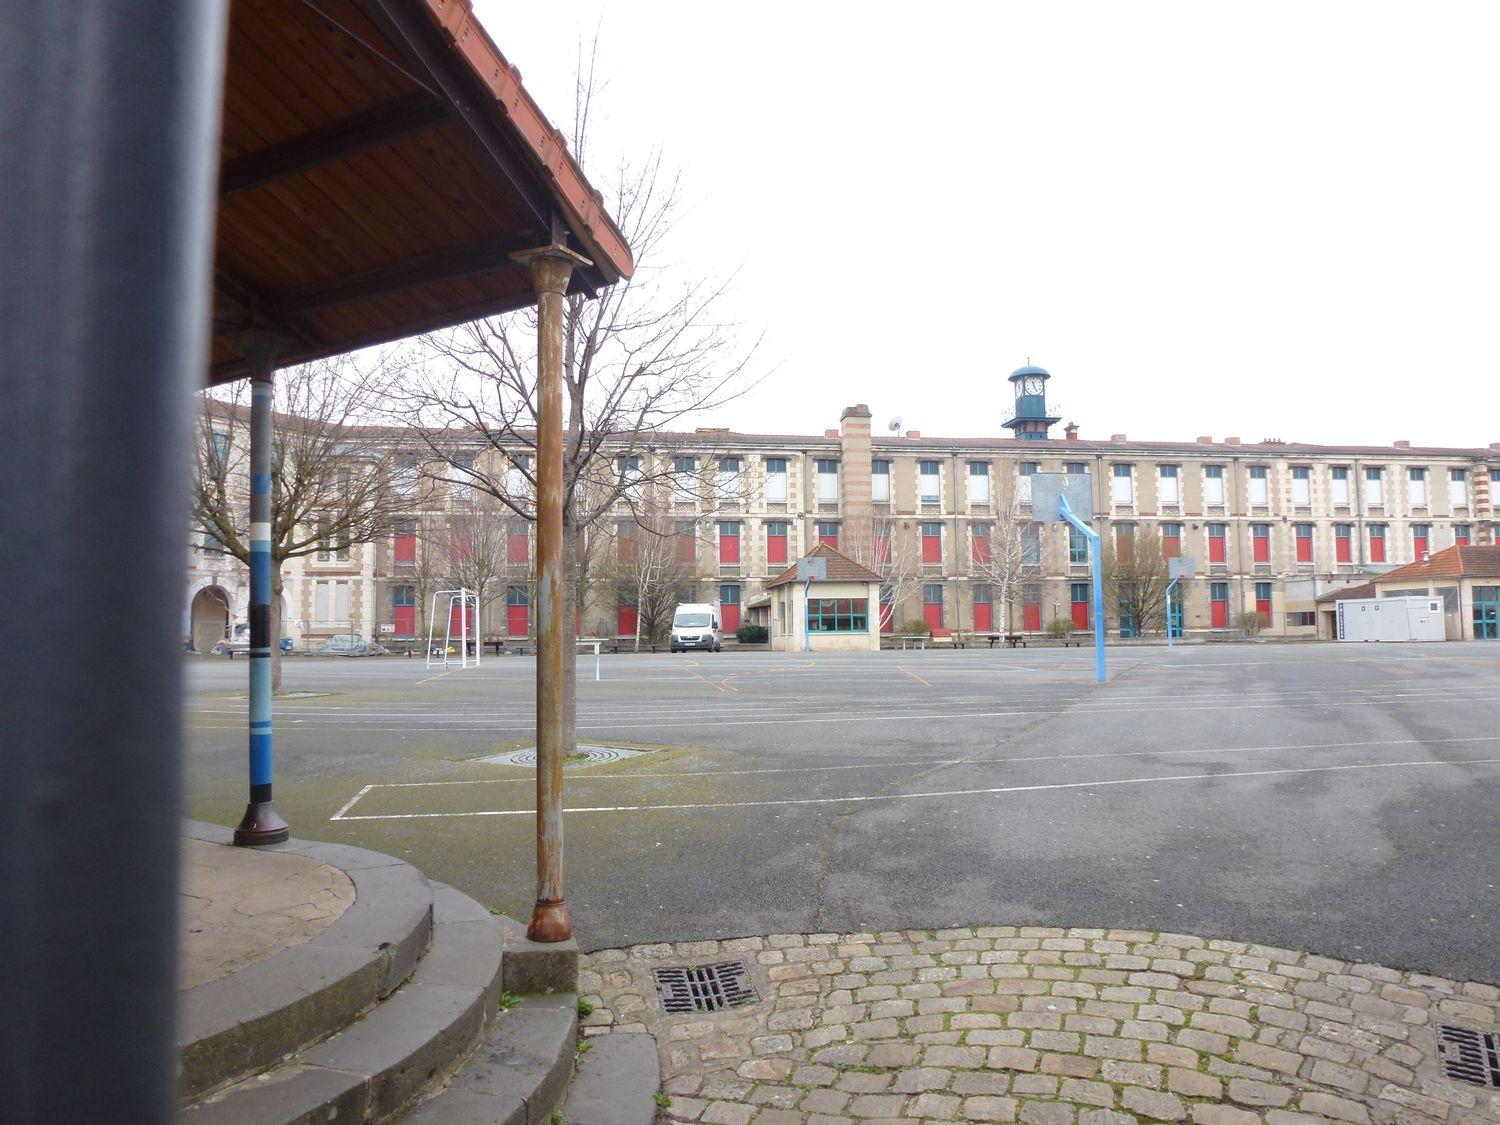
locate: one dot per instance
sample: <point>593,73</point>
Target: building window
<point>1301,486</point>
<point>1124,542</point>
<point>1218,601</point>
<point>1260,486</point>
<point>1078,547</point>
<point>404,610</point>
<point>406,543</point>
<point>728,480</point>
<point>1416,487</point>
<point>463,476</point>
<point>1486,613</point>
<point>627,613</point>
<point>1171,539</point>
<point>1031,545</point>
<point>1213,485</point>
<point>1217,545</point>
<point>1301,619</point>
<point>776,480</point>
<point>517,611</point>
<point>627,542</point>
<point>729,608</point>
<point>515,476</point>
<point>684,479</point>
<point>983,611</point>
<point>1167,485</point>
<point>1122,484</point>
<point>979,542</point>
<point>1343,542</point>
<point>932,544</point>
<point>1377,542</point>
<point>881,545</point>
<point>1460,535</point>
<point>932,604</point>
<point>408,471</point>
<point>979,482</point>
<point>218,449</point>
<point>1375,487</point>
<point>1076,468</point>
<point>828,481</point>
<point>1260,540</point>
<point>629,472</point>
<point>880,482</point>
<point>776,543</point>
<point>838,615</point>
<point>729,543</point>
<point>1078,592</point>
<point>931,475</point>
<point>687,541</point>
<point>1339,489</point>
<point>1458,488</point>
<point>828,533</point>
<point>1263,604</point>
<point>1304,533</point>
<point>518,542</point>
<point>1421,538</point>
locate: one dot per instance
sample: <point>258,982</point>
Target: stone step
<point>404,1046</point>
<point>251,1019</point>
<point>617,1081</point>
<point>518,1074</point>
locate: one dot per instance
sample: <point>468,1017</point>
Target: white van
<point>696,625</point>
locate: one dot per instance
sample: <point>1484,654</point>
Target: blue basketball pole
<point>1169,610</point>
<point>262,823</point>
<point>1066,512</point>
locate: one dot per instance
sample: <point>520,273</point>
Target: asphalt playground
<point>1335,798</point>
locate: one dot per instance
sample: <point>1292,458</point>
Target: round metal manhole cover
<point>588,755</point>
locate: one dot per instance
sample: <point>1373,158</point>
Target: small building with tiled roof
<point>1466,578</point>
<point>839,612</point>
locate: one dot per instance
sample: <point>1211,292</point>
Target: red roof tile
<point>1453,562</point>
<point>841,568</point>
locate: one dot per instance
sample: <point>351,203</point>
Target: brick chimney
<point>1205,439</point>
<point>1117,437</point>
<point>913,433</point>
<point>1070,431</point>
<point>830,433</point>
<point>1403,445</point>
<point>854,478</point>
<point>1231,441</point>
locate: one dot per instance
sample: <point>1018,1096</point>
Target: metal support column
<point>551,267</point>
<point>262,823</point>
<point>110,113</point>
<point>1170,585</point>
<point>1097,568</point>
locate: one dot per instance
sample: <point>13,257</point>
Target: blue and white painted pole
<point>1170,585</point>
<point>1097,566</point>
<point>262,823</point>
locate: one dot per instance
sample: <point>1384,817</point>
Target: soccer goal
<point>460,624</point>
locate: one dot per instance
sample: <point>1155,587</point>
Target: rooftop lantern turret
<point>1031,419</point>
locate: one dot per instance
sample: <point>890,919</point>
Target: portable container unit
<point>1391,619</point>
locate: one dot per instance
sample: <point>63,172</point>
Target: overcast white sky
<point>1267,220</point>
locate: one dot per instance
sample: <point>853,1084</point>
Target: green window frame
<point>838,615</point>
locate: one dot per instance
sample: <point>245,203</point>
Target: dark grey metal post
<point>110,114</point>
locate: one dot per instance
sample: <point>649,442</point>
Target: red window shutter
<point>1220,618</point>
<point>406,548</point>
<point>1460,538</point>
<point>1031,617</point>
<point>1377,548</point>
<point>1080,615</point>
<point>729,549</point>
<point>1419,546</point>
<point>1343,549</point>
<point>887,619</point>
<point>687,546</point>
<point>1262,548</point>
<point>1216,548</point>
<point>1171,546</point>
<point>626,548</point>
<point>517,620</point>
<point>829,540</point>
<point>1304,549</point>
<point>932,548</point>
<point>979,549</point>
<point>1124,547</point>
<point>776,550</point>
<point>1263,612</point>
<point>517,547</point>
<point>625,620</point>
<point>456,622</point>
<point>461,549</point>
<point>406,620</point>
<point>932,613</point>
<point>730,618</point>
<point>981,617</point>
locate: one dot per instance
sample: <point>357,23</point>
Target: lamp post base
<point>550,921</point>
<point>260,825</point>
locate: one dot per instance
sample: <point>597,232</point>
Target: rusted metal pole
<point>551,267</point>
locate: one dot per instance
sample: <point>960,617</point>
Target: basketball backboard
<point>1047,487</point>
<point>812,570</point>
<point>1181,567</point>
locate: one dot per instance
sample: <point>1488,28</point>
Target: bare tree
<point>655,558</point>
<point>334,482</point>
<point>481,533</point>
<point>896,557</point>
<point>430,565</point>
<point>1008,551</point>
<point>1135,579</point>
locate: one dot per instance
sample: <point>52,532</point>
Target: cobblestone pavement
<point>1091,1027</point>
<point>241,905</point>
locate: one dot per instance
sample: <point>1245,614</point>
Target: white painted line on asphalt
<point>942,793</point>
<point>352,802</point>
<point>574,778</point>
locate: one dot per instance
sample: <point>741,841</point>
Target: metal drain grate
<point>1469,1055</point>
<point>704,988</point>
<point>587,756</point>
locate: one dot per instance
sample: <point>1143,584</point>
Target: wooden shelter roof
<point>379,162</point>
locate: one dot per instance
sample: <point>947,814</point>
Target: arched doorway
<point>209,621</point>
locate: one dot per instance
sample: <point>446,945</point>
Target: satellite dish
<point>895,424</point>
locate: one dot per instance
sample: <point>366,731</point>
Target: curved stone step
<point>253,1018</point>
<point>517,1075</point>
<point>404,1045</point>
<point>617,1082</point>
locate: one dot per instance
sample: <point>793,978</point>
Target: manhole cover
<point>1469,1055</point>
<point>587,756</point>
<point>704,988</point>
